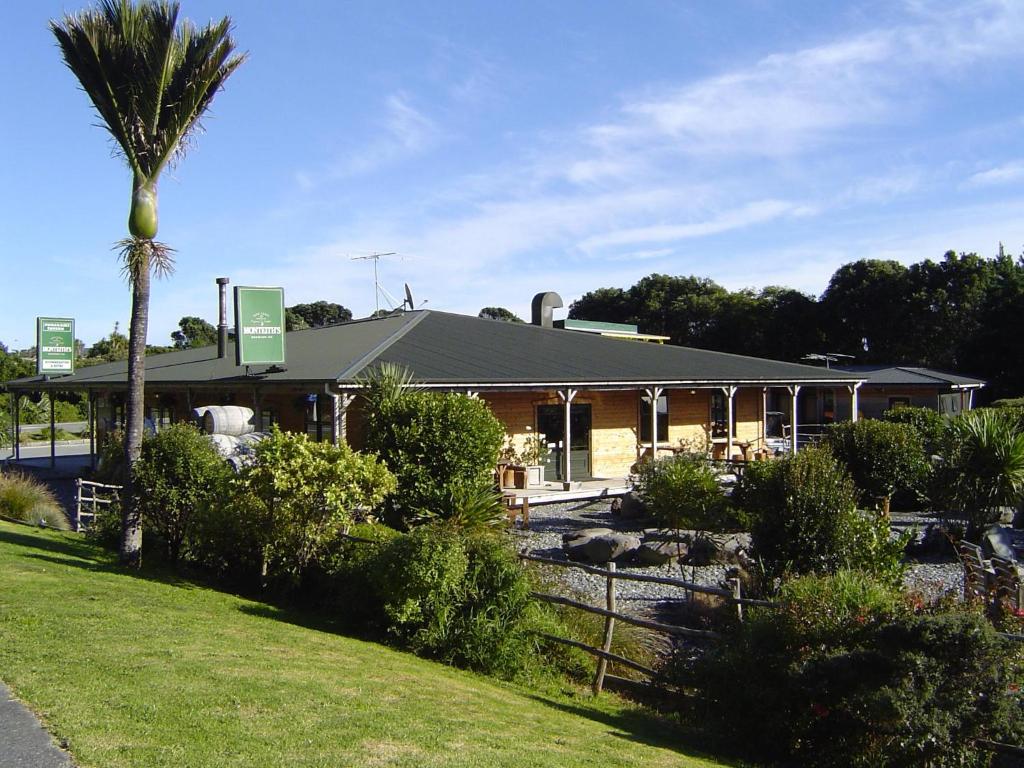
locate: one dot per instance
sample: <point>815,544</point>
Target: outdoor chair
<point>1008,590</point>
<point>978,575</point>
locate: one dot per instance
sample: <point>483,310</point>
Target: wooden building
<point>590,392</point>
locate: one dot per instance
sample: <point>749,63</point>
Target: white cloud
<point>1002,174</point>
<point>404,132</point>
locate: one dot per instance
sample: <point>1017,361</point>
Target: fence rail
<point>94,495</point>
<point>611,614</point>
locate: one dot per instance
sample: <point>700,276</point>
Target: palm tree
<point>151,78</point>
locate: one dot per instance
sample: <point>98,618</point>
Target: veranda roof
<point>447,350</point>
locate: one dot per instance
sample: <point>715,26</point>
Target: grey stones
<point>599,545</point>
<point>660,552</point>
<point>998,542</point>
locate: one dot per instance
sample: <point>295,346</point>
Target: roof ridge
<point>363,361</point>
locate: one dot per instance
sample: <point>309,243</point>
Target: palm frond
<point>149,75</point>
<point>139,254</point>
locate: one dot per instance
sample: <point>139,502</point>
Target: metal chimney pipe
<point>222,326</point>
<point>543,304</point>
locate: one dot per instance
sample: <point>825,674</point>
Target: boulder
<point>998,542</point>
<point>660,552</point>
<point>599,545</point>
<point>631,508</point>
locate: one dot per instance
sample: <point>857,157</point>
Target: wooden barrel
<point>233,420</point>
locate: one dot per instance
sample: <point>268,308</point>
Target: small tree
<point>982,467</point>
<point>440,446</point>
<point>806,520</point>
<point>882,457</point>
<point>682,492</point>
<point>301,493</point>
<point>178,475</point>
<point>927,421</point>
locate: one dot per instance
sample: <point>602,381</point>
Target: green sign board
<point>55,345</point>
<point>259,325</point>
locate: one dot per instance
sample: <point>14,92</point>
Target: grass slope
<point>158,672</point>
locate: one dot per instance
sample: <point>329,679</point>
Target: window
<point>645,419</point>
<point>318,419</point>
<point>720,414</point>
<point>269,418</point>
<point>895,401</point>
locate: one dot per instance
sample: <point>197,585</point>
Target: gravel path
<point>933,577</point>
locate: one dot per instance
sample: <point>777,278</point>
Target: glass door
<point>551,424</point>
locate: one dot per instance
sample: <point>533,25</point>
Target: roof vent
<point>543,304</point>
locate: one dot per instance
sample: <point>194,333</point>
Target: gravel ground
<point>932,577</point>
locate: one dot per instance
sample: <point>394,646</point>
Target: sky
<point>502,149</point>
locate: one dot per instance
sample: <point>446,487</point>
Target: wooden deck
<point>554,493</point>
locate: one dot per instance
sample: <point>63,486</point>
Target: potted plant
<point>533,455</point>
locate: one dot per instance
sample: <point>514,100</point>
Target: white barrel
<point>226,445</point>
<point>229,420</point>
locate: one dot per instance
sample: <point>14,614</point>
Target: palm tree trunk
<point>131,524</point>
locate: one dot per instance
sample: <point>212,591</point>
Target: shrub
<point>179,474</point>
<point>842,674</point>
<point>295,495</point>
<point>982,467</point>
<point>682,492</point>
<point>927,421</point>
<point>439,446</point>
<point>112,469</point>
<point>446,593</point>
<point>805,519</point>
<point>26,499</point>
<point>882,457</point>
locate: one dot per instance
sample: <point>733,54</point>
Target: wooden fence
<point>611,614</point>
<point>92,496</point>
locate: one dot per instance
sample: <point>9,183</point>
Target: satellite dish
<point>408,297</point>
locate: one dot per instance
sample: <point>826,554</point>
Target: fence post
<point>609,628</point>
<point>78,504</point>
<point>736,596</point>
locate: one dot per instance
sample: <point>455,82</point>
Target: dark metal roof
<point>910,376</point>
<point>443,349</point>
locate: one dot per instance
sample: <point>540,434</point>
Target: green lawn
<point>151,671</point>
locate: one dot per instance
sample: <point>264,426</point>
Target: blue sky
<point>502,149</point>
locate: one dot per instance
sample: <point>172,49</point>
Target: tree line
<point>963,313</point>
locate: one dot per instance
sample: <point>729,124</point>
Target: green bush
<point>450,594</point>
<point>296,495</point>
<point>179,474</point>
<point>842,674</point>
<point>982,467</point>
<point>805,519</point>
<point>26,499</point>
<point>682,492</point>
<point>882,457</point>
<point>439,446</point>
<point>930,425</point>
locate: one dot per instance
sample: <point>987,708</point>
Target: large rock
<point>998,542</point>
<point>599,545</point>
<point>631,508</point>
<point>660,552</point>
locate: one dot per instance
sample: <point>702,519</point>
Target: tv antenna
<point>375,257</point>
<point>827,357</point>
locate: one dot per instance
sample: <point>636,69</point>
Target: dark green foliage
<point>499,313</point>
<point>458,596</point>
<point>927,421</point>
<point>178,476</point>
<point>982,467</point>
<point>682,492</point>
<point>882,457</point>
<point>841,674</point>
<point>805,519</point>
<point>194,332</point>
<point>320,313</point>
<point>441,447</point>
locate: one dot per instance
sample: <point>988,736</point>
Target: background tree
<point>110,348</point>
<point>150,78</point>
<point>320,313</point>
<point>499,313</point>
<point>194,332</point>
<point>293,321</point>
